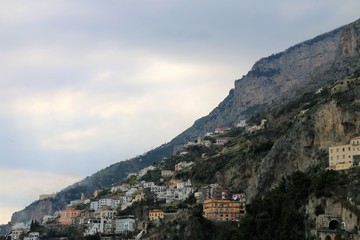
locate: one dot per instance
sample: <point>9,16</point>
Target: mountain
<point>273,83</point>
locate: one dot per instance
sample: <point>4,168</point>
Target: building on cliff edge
<point>345,156</point>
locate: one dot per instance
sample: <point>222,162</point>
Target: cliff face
<point>36,210</point>
<point>305,145</point>
<point>284,76</point>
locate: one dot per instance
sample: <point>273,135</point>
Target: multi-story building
<point>158,189</point>
<point>125,224</point>
<point>115,204</point>
<point>125,199</point>
<point>215,191</point>
<point>167,173</point>
<point>94,205</point>
<point>107,214</point>
<point>221,209</point>
<point>172,195</point>
<point>15,234</point>
<point>105,202</point>
<point>240,197</point>
<point>156,214</point>
<point>99,225</point>
<point>345,156</point>
<point>68,215</point>
<point>147,184</point>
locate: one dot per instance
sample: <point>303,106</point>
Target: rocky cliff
<point>333,121</point>
<point>284,76</point>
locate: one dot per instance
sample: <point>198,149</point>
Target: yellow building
<point>221,209</point>
<point>345,156</point>
<point>156,214</point>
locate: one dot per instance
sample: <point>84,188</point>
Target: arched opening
<point>327,237</point>
<point>334,224</point>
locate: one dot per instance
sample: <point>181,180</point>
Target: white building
<point>108,214</point>
<point>147,184</point>
<point>125,199</point>
<point>158,189</point>
<point>167,173</point>
<point>15,234</point>
<point>95,226</point>
<point>178,194</point>
<point>75,202</point>
<point>145,170</point>
<point>105,202</point>
<point>115,204</point>
<point>122,188</point>
<point>242,123</point>
<point>125,224</point>
<point>33,236</point>
<point>94,205</point>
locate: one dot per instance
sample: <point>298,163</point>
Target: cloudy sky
<point>87,83</point>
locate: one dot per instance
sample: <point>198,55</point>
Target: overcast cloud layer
<point>85,84</point>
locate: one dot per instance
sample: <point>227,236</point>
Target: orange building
<point>221,209</point>
<point>68,215</point>
<point>156,214</point>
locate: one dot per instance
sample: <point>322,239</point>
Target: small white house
<point>125,224</point>
<point>32,236</point>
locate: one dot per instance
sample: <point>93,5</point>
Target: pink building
<point>68,215</point>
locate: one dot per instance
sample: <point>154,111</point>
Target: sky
<point>87,83</point>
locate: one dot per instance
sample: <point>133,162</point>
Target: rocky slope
<point>284,76</point>
<point>273,81</point>
<point>305,145</point>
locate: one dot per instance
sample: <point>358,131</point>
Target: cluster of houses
<point>23,232</point>
<point>100,214</point>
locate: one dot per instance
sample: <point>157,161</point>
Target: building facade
<point>345,156</point>
<point>221,209</point>
<point>156,214</point>
<point>125,224</point>
<point>68,215</point>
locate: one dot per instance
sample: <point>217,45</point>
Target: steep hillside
<point>272,82</point>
